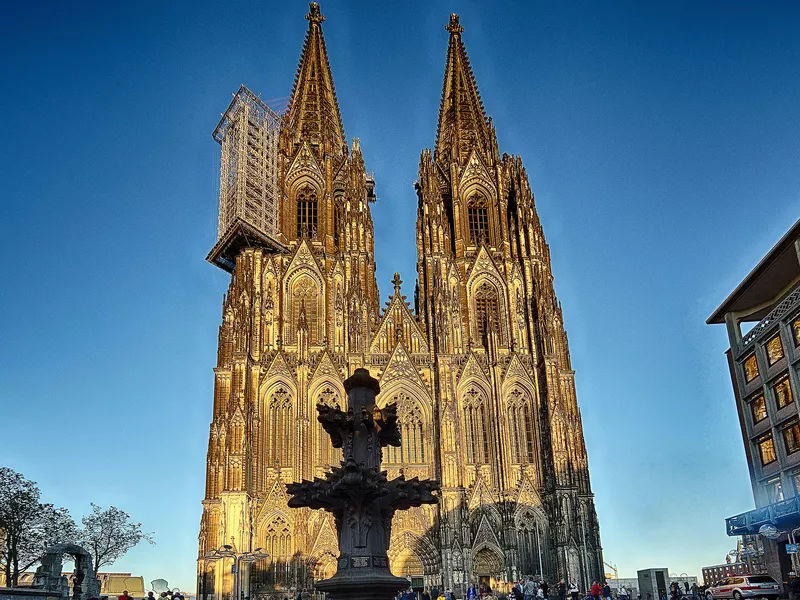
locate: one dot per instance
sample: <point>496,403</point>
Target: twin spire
<point>313,112</point>
<point>462,119</point>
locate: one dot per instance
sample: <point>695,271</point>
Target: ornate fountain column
<point>358,494</point>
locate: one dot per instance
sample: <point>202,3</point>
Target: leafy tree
<point>109,533</point>
<point>27,526</point>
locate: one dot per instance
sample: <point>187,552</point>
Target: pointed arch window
<point>478,219</point>
<point>307,212</point>
<point>413,449</point>
<point>475,427</point>
<point>304,296</point>
<point>520,428</point>
<point>280,428</point>
<point>327,455</point>
<point>486,307</point>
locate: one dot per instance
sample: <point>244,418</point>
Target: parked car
<point>744,586</point>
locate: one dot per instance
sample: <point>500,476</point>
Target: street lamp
<point>247,558</point>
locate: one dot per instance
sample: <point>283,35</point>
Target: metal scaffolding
<point>248,191</point>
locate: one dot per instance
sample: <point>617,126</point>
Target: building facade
<point>763,363</point>
<point>479,366</point>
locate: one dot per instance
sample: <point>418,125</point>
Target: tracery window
<point>486,307</point>
<point>412,430</point>
<point>796,331</point>
<point>478,219</point>
<point>475,427</point>
<point>307,212</point>
<point>520,428</point>
<point>327,455</point>
<point>304,296</point>
<point>280,428</point>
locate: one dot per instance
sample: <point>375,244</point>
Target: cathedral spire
<point>462,120</point>
<point>313,112</point>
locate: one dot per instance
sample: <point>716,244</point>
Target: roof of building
<point>772,276</point>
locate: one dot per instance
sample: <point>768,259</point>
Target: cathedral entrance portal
<point>487,567</point>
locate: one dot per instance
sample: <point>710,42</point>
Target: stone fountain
<point>359,495</point>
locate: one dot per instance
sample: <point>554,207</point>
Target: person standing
<point>623,593</point>
<point>562,590</point>
<point>426,595</point>
<point>606,591</point>
<point>124,596</point>
<point>529,589</point>
<point>596,590</point>
<point>545,588</point>
<point>573,590</point>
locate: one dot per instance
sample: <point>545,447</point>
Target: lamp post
<point>227,551</point>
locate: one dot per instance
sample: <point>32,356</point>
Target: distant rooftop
<point>774,276</point>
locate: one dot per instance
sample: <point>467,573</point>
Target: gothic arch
<point>487,300</point>
<point>487,560</point>
<point>304,289</point>
<point>474,403</point>
<point>415,421</point>
<point>331,393</point>
<point>279,426</point>
<point>520,416</point>
<point>409,545</point>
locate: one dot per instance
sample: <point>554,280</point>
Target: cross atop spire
<point>454,26</point>
<point>314,15</point>
<point>313,113</point>
<point>462,119</point>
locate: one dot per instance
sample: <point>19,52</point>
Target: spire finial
<point>454,26</point>
<point>397,282</point>
<point>314,15</point>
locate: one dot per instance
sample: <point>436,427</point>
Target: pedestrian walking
<point>562,590</point>
<point>596,590</point>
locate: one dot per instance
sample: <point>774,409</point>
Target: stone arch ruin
<point>48,576</point>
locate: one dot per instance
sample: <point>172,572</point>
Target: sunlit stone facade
<point>479,365</point>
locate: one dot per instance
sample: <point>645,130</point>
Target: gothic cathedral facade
<point>479,367</point>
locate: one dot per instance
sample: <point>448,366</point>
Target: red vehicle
<point>738,587</point>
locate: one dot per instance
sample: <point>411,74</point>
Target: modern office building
<point>763,361</point>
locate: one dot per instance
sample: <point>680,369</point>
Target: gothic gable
<point>483,265</point>
<point>278,369</point>
<point>304,166</point>
<point>400,367</point>
<point>472,370</point>
<point>398,324</point>
<point>475,174</point>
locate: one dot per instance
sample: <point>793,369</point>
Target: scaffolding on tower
<point>248,193</point>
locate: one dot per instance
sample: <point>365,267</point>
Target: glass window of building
<point>796,482</point>
<point>791,437</point>
<point>774,350</point>
<point>766,449</point>
<point>759,407</point>
<point>796,331</point>
<point>750,368</point>
<point>774,490</point>
<point>783,393</point>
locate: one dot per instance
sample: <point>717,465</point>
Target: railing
<point>773,514</point>
<point>775,315</point>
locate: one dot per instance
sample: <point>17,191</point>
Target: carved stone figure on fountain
<point>358,494</point>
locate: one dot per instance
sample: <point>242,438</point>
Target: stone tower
<point>479,368</point>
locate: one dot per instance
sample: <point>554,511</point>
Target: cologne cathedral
<point>479,366</point>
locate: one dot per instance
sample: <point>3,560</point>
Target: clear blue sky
<point>661,140</point>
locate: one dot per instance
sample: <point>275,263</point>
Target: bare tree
<point>27,526</point>
<point>109,533</point>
